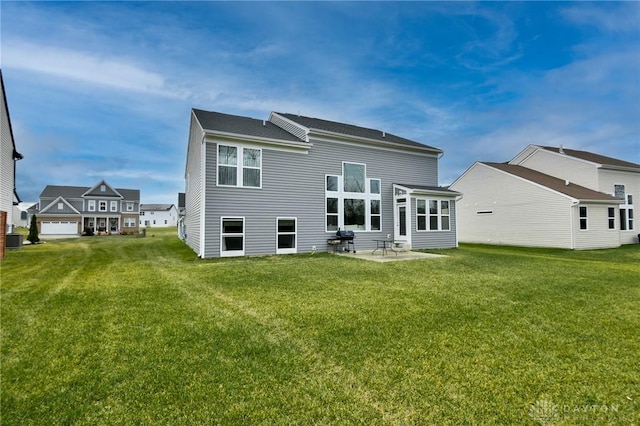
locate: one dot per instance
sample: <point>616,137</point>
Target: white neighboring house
<point>22,215</point>
<point>8,157</point>
<point>550,197</point>
<point>158,215</point>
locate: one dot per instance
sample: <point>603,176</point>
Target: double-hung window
<point>113,206</point>
<point>239,166</point>
<point>232,236</point>
<point>433,215</point>
<point>102,206</point>
<point>286,235</point>
<point>584,223</point>
<point>353,201</point>
<point>92,205</point>
<point>611,216</point>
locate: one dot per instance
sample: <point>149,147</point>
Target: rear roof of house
<point>559,185</point>
<point>592,157</point>
<point>351,130</point>
<point>235,124</point>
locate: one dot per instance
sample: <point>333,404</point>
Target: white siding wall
<point>6,165</point>
<point>598,235</point>
<point>524,214</point>
<point>193,190</point>
<point>160,216</point>
<point>563,167</point>
<point>631,181</point>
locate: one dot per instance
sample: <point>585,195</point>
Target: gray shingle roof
<point>217,121</point>
<point>156,207</point>
<point>427,188</point>
<point>594,158</point>
<point>351,130</point>
<point>70,192</point>
<point>572,190</point>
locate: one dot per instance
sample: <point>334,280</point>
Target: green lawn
<point>124,330</point>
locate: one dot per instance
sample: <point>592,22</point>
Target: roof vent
<point>264,122</point>
<point>384,134</point>
<point>561,150</point>
<point>566,182</point>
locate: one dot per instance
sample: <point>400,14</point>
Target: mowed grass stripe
<point>136,330</point>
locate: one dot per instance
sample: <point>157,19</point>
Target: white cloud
<point>86,67</point>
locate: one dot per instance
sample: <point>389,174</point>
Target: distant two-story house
<point>550,197</point>
<point>72,210</point>
<point>158,215</point>
<point>289,183</point>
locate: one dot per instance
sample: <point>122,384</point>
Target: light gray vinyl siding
<point>433,239</point>
<point>194,188</point>
<point>293,185</point>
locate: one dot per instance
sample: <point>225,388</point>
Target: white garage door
<point>59,228</point>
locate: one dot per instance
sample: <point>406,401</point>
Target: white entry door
<point>401,219</point>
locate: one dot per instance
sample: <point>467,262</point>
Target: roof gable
<point>238,125</point>
<point>102,189</point>
<point>558,185</point>
<point>68,210</point>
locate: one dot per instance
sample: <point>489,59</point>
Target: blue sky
<point>103,90</point>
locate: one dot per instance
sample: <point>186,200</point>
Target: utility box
<point>14,241</point>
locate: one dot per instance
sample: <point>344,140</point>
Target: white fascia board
<point>531,147</point>
<point>464,173</point>
<point>279,144</point>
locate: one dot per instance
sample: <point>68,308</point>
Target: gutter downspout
<point>203,193</point>
<point>572,223</point>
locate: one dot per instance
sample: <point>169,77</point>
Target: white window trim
<point>100,204</point>
<point>239,166</point>
<point>295,234</point>
<point>428,214</point>
<point>91,205</point>
<point>129,206</point>
<point>232,253</point>
<point>113,206</point>
<point>341,195</point>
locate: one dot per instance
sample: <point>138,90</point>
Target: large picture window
<point>433,215</point>
<point>238,166</point>
<point>232,236</point>
<point>353,201</point>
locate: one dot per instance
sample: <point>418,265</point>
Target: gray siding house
<point>287,184</point>
<point>72,210</point>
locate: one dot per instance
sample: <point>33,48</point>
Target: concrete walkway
<point>389,256</point>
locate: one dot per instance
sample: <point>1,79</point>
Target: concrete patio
<point>389,256</point>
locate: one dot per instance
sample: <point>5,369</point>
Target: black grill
<point>346,237</point>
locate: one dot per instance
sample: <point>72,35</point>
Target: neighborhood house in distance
<point>289,183</point>
<point>158,215</point>
<point>550,197</point>
<point>100,209</point>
